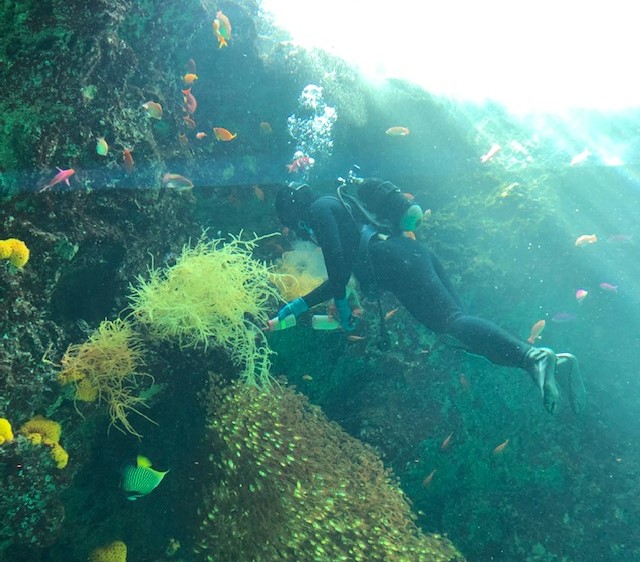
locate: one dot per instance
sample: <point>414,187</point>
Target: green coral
<point>287,484</point>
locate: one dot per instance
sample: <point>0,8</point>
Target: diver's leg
<point>416,277</point>
<point>501,348</point>
<point>540,363</point>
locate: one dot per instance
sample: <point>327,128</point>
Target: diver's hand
<point>347,320</point>
<point>295,307</point>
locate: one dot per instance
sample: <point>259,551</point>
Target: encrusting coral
<point>105,368</point>
<point>284,483</point>
<point>215,294</point>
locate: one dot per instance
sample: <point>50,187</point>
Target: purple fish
<point>561,317</point>
<point>620,239</point>
<point>609,287</point>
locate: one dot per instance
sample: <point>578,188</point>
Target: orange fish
<point>353,337</point>
<point>127,160</point>
<point>258,192</point>
<point>189,78</point>
<point>501,447</point>
<point>154,110</point>
<point>409,234</point>
<point>426,482</point>
<point>536,329</point>
<point>397,131</point>
<point>447,441</point>
<point>223,135</point>
<point>391,313</point>
<point>189,122</point>
<point>586,239</point>
<point>190,102</point>
<point>490,154</point>
<point>222,42</point>
<point>200,135</point>
<point>225,25</point>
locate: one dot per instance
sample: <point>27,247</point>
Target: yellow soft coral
<point>113,552</point>
<point>6,433</point>
<point>216,294</point>
<point>106,368</point>
<point>15,251</point>
<point>42,431</point>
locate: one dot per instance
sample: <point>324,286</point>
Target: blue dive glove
<point>347,320</point>
<point>295,307</point>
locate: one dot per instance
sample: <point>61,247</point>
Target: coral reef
<point>284,483</point>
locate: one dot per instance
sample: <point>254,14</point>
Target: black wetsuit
<point>412,273</point>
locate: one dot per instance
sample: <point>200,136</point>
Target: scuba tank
<point>381,203</point>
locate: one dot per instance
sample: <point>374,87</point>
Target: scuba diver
<point>349,231</point>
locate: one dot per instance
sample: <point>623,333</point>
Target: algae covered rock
<point>287,484</point>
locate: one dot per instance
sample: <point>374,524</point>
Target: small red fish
<point>127,160</point>
<point>353,337</point>
<point>201,135</point>
<point>609,287</point>
<point>189,122</point>
<point>464,382</point>
<point>447,441</point>
<point>586,239</point>
<point>223,134</point>
<point>397,131</point>
<point>300,163</point>
<point>490,154</point>
<point>426,482</point>
<point>391,313</point>
<point>190,102</point>
<point>225,25</point>
<point>501,447</point>
<point>61,176</point>
<point>258,193</point>
<point>536,329</point>
<point>222,42</point>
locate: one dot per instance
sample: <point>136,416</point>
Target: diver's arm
<point>325,227</point>
<point>319,295</point>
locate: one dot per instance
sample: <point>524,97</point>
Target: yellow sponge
<point>6,433</point>
<point>114,552</point>
<point>42,431</point>
<point>48,429</point>
<point>15,251</point>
